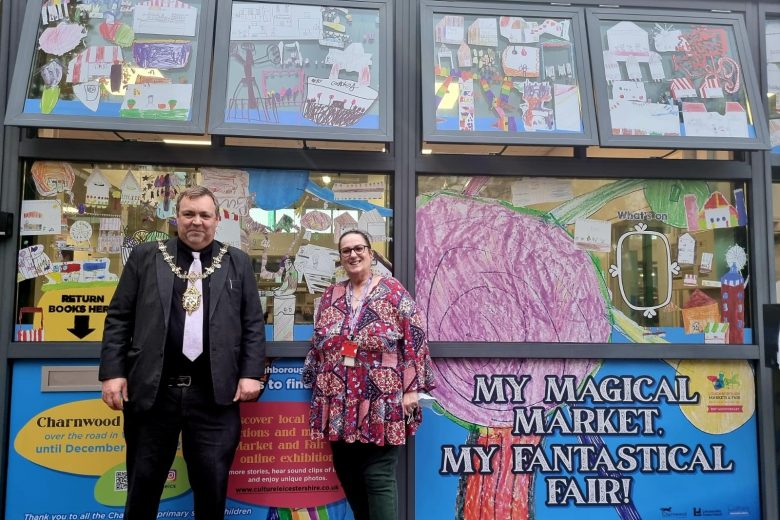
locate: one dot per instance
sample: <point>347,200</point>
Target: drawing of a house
<point>483,32</point>
<point>373,224</point>
<point>717,213</point>
<point>450,29</point>
<point>627,39</point>
<point>732,301</point>
<point>342,223</point>
<point>98,188</point>
<point>131,190</point>
<point>464,56</point>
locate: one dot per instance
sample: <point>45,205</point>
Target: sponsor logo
<point>700,512</point>
<point>739,511</point>
<point>668,512</point>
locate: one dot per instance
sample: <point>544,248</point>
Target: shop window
<point>303,70</point>
<point>126,65</point>
<point>80,221</point>
<point>680,79</point>
<point>505,74</point>
<point>773,81</point>
<point>520,259</point>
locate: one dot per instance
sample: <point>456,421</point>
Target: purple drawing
<point>247,100</point>
<point>162,55</point>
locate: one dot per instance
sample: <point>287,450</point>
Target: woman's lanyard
<point>354,313</point>
<point>349,346</point>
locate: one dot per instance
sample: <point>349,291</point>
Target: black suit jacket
<point>137,324</point>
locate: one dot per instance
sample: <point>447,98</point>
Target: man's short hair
<point>195,193</point>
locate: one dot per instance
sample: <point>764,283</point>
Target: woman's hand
<point>410,403</point>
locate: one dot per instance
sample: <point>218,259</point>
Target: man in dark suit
<point>183,343</point>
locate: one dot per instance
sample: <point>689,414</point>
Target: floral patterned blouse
<point>363,403</point>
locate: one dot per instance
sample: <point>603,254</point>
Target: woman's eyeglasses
<point>347,251</point>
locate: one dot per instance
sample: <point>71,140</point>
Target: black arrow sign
<point>81,326</point>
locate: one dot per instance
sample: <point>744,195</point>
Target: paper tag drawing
<point>88,94</point>
<point>521,61</point>
<point>686,249</point>
<point>33,262</point>
<point>616,270</point>
<point>593,235</point>
<point>131,190</point>
<point>705,265</point>
<point>40,217</point>
<point>98,189</point>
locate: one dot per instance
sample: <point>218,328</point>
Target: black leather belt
<point>179,381</point>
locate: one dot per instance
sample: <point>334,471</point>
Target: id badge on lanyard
<point>349,346</point>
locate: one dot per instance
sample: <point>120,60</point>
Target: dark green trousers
<point>367,474</point>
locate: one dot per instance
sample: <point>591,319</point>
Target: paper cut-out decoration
<point>559,29</point>
<point>157,101</point>
<point>701,123</point>
<point>532,190</point>
<point>716,333</point>
<point>635,118</point>
<point>682,88</point>
<point>88,94</point>
<point>53,10</point>
<point>483,32</point>
<point>611,67</point>
<point>40,217</point>
<point>664,197</point>
<point>162,55</point>
<point>717,213</point>
<point>169,17</point>
<point>33,262</point>
<point>51,73</point>
<point>358,191</point>
<point>131,190</point>
<point>689,280</point>
<point>353,59</point>
<point>672,268</point>
<point>231,187</point>
<point>276,189</point>
<point>275,22</point>
<point>629,91</point>
<point>337,102</point>
<point>711,88</point>
<point>316,220</point>
<point>466,105</point>
<point>98,190</point>
<point>29,332</point>
<point>628,39</point>
<point>229,228</point>
<point>692,212</point>
<point>52,177</point>
<point>698,311</point>
<point>317,264</point>
<point>464,56</point>
<point>536,116</point>
<point>95,62</point>
<point>732,295</point>
<point>686,249</point>
<point>109,235</point>
<point>116,32</point>
<point>61,39</point>
<point>739,203</point>
<point>521,61</point>
<point>342,223</point>
<point>373,224</point>
<point>666,38</point>
<point>513,29</point>
<point>567,107</point>
<point>81,231</point>
<point>593,235</point>
<point>444,57</point>
<point>81,271</point>
<point>474,185</point>
<point>705,266</point>
<point>450,29</point>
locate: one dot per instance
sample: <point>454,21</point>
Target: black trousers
<point>367,474</point>
<point>210,435</point>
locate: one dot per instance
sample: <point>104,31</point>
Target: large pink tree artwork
<point>490,272</point>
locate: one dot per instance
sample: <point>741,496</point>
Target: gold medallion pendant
<point>191,299</point>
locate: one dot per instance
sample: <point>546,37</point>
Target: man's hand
<point>248,389</point>
<point>115,392</point>
<point>410,403</point>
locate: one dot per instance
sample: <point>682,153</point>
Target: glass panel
<point>134,60</point>
<point>304,65</point>
<point>773,81</point>
<point>669,79</point>
<point>521,259</point>
<point>504,76</point>
<point>80,221</point>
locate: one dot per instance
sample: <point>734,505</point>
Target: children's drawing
<point>732,294</point>
<point>81,231</point>
<point>162,55</point>
<point>316,220</point>
<point>62,38</point>
<point>168,17</point>
<point>98,189</point>
<point>40,217</point>
<point>53,177</point>
<point>231,187</point>
<point>33,262</point>
<point>131,190</point>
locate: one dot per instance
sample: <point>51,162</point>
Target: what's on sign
<point>76,313</point>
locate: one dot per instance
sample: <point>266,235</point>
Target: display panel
<point>135,64</point>
<point>772,39</point>
<point>80,221</point>
<point>278,471</point>
<point>552,260</point>
<point>542,439</point>
<point>303,70</point>
<point>680,80</point>
<point>505,74</point>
